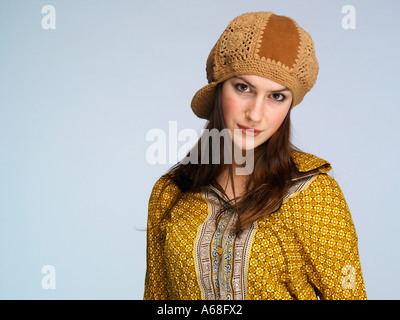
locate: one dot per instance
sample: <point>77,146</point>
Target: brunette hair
<point>273,174</point>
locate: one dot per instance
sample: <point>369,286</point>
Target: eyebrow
<point>253,86</point>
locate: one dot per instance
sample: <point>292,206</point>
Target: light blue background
<point>76,104</point>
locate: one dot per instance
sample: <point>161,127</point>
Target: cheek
<point>280,117</point>
<point>230,106</point>
<point>277,119</point>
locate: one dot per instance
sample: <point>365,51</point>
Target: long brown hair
<point>267,185</point>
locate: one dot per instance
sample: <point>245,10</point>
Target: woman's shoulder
<point>164,185</point>
<point>319,209</point>
<point>163,193</point>
<point>318,187</point>
<point>321,194</point>
<point>320,180</point>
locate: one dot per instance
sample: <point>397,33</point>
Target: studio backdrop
<point>91,91</point>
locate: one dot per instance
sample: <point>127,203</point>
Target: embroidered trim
<point>201,255</point>
<point>221,257</point>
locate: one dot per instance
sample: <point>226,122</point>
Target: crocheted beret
<point>263,44</point>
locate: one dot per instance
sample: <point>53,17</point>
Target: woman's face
<point>254,108</point>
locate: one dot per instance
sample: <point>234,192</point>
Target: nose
<point>255,109</point>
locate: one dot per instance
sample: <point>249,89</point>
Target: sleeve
<point>156,273</point>
<point>330,243</point>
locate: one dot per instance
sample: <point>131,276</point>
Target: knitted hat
<point>263,44</point>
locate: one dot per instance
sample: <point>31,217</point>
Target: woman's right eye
<point>242,87</point>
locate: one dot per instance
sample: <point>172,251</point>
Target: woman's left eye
<point>242,87</point>
<point>278,97</point>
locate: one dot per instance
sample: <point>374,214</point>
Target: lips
<point>249,131</point>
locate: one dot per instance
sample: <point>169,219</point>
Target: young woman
<point>281,231</point>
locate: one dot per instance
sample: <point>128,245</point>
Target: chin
<point>246,144</point>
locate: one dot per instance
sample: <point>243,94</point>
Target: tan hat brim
<point>203,101</point>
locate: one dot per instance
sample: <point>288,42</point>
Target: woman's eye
<point>242,87</point>
<point>278,97</point>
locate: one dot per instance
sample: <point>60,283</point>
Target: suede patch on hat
<point>280,41</point>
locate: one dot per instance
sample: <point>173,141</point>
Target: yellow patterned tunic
<point>306,250</point>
